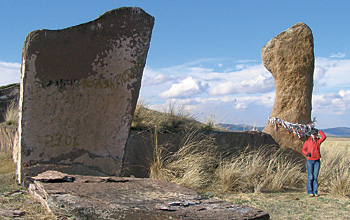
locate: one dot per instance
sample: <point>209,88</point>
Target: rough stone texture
<point>290,59</point>
<point>79,88</point>
<point>10,214</point>
<point>140,147</point>
<point>7,95</point>
<point>90,197</point>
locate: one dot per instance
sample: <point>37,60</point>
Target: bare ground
<point>295,204</point>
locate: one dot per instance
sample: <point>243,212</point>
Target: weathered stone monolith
<point>290,59</point>
<point>79,89</point>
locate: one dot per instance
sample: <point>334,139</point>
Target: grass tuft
<point>193,165</point>
<point>198,165</point>
<point>175,119</point>
<point>334,174</point>
<point>11,114</point>
<point>258,170</point>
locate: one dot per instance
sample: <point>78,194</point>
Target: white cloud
<point>10,73</point>
<point>332,74</point>
<point>187,87</point>
<point>259,84</point>
<point>337,55</point>
<point>332,103</point>
<point>241,66</point>
<point>154,80</point>
<point>154,77</point>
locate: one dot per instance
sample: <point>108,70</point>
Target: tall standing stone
<point>290,59</point>
<point>79,89</point>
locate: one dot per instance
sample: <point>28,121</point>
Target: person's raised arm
<point>323,136</point>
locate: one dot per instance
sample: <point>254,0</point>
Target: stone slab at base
<point>91,197</point>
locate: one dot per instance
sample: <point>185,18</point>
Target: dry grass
<point>198,165</point>
<point>7,136</point>
<point>334,201</point>
<point>294,205</point>
<point>171,119</point>
<point>193,165</point>
<point>266,180</point>
<point>249,171</point>
<point>335,167</point>
<point>16,197</point>
<point>7,173</point>
<point>210,124</point>
<point>259,170</point>
<point>11,114</point>
<point>239,179</point>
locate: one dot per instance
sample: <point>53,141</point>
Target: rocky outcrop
<point>79,88</point>
<point>87,197</point>
<point>290,59</point>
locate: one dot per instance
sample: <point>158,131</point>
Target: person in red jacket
<point>311,149</point>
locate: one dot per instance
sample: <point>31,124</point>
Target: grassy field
<point>285,203</point>
<point>265,180</point>
<point>269,182</point>
<point>295,204</point>
<point>333,203</point>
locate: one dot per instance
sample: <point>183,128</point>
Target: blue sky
<point>205,55</point>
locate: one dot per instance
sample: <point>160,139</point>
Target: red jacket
<point>313,147</point>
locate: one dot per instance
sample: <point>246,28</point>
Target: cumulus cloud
<point>332,103</point>
<point>331,74</point>
<point>265,100</point>
<point>10,73</point>
<point>259,84</point>
<point>187,87</point>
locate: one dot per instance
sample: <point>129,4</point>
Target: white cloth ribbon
<point>299,130</point>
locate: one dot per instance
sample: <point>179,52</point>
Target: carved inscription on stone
<point>79,88</point>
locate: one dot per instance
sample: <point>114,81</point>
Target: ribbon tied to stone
<point>299,130</point>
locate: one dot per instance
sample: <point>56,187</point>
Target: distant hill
<point>240,127</point>
<point>338,131</point>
